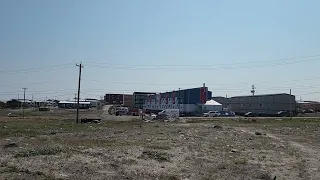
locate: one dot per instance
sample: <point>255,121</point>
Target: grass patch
<point>157,155</point>
<point>242,161</point>
<point>39,152</point>
<point>9,169</point>
<point>159,147</point>
<point>265,176</point>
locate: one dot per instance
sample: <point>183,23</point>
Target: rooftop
<point>257,95</point>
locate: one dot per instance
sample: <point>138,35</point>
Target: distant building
<point>94,102</point>
<point>73,104</point>
<point>128,100</point>
<point>187,100</point>
<point>118,99</point>
<point>2,104</point>
<point>16,103</point>
<point>307,105</point>
<point>265,104</point>
<point>113,99</point>
<point>225,102</point>
<point>138,98</point>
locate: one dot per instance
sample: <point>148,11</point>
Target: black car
<point>250,114</point>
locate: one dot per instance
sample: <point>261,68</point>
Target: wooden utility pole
<point>80,67</point>
<point>24,100</point>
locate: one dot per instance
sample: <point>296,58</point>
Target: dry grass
<point>57,147</point>
<point>41,151</point>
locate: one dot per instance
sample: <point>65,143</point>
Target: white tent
<point>212,105</point>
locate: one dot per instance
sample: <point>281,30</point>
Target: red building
<point>307,105</point>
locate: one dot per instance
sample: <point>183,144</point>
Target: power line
<point>226,67</point>
<point>154,84</point>
<point>182,67</point>
<point>309,93</point>
<point>198,65</point>
<point>34,83</point>
<point>233,89</point>
<point>195,84</point>
<point>38,69</point>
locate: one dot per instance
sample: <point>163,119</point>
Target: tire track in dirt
<point>310,158</point>
<point>309,165</point>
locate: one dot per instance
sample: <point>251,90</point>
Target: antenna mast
<point>253,90</point>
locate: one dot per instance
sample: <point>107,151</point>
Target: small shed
<point>211,105</point>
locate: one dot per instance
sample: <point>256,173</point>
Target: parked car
<point>133,112</point>
<point>227,114</point>
<point>250,114</point>
<point>121,111</point>
<point>283,114</point>
<point>211,114</point>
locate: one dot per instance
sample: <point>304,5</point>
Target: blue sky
<point>148,45</point>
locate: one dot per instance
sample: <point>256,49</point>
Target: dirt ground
<point>50,145</point>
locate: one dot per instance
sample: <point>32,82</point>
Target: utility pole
<point>80,67</point>
<point>178,99</point>
<point>123,99</point>
<point>18,101</point>
<point>290,106</point>
<point>24,100</point>
<point>75,102</point>
<point>253,91</point>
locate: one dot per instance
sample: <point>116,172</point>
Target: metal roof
<point>72,102</point>
<point>263,95</point>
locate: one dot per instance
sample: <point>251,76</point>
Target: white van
<point>170,112</point>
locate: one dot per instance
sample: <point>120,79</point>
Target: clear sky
<point>149,45</point>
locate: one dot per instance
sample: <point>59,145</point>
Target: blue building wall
<point>187,96</point>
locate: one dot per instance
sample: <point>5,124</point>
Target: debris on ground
<point>91,120</point>
<point>258,133</point>
<point>234,150</point>
<point>162,118</point>
<point>217,126</point>
<point>10,144</point>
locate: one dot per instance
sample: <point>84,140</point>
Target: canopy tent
<point>211,105</point>
<point>212,102</point>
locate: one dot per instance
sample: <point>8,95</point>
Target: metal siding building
<point>139,98</point>
<point>224,101</point>
<point>118,99</point>
<point>113,98</point>
<point>265,104</point>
